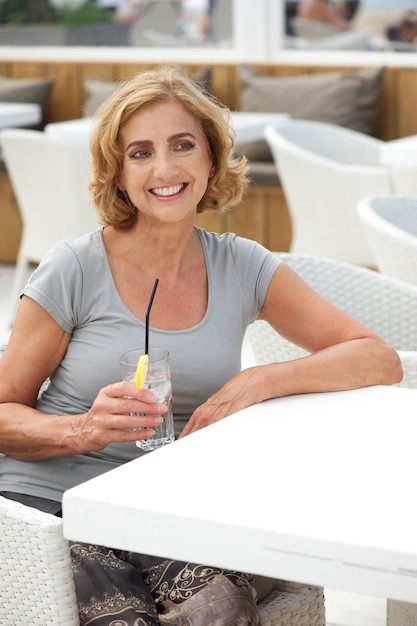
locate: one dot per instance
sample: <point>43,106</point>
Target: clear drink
<point>157,380</point>
<point>164,433</point>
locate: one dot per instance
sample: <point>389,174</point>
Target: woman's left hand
<point>241,391</point>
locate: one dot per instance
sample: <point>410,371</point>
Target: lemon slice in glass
<point>141,370</point>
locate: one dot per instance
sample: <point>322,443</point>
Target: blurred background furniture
<point>36,585</point>
<point>248,126</point>
<point>384,304</point>
<point>404,179</point>
<point>400,155</point>
<point>390,223</point>
<point>325,170</point>
<point>24,102</point>
<point>39,588</point>
<point>400,151</point>
<point>14,114</point>
<point>49,176</point>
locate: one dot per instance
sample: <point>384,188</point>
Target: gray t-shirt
<point>75,285</point>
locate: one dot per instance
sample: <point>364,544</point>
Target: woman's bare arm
<point>344,353</point>
<point>35,349</point>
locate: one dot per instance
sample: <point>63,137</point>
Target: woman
<point>162,152</point>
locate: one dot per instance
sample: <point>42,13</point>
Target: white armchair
<point>50,176</point>
<point>384,304</point>
<point>36,583</point>
<point>390,223</point>
<point>325,170</point>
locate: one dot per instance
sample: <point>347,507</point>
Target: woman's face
<point>166,164</point>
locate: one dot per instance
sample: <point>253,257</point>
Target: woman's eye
<point>184,146</point>
<point>139,154</point>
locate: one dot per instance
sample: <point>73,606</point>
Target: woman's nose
<point>164,164</point>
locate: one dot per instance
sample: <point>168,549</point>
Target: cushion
<point>264,173</point>
<point>35,90</point>
<point>99,90</point>
<point>349,99</point>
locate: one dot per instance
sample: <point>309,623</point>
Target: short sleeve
<point>57,285</point>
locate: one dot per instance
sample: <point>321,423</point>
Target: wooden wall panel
<point>405,93</point>
<point>65,98</point>
<point>248,219</point>
<point>263,216</point>
<point>386,123</point>
<point>125,71</point>
<point>279,229</point>
<point>212,221</point>
<point>225,85</point>
<point>29,69</point>
<point>10,220</point>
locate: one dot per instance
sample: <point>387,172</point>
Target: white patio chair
<point>37,587</point>
<point>36,583</point>
<point>390,223</point>
<point>404,179</point>
<point>325,170</point>
<point>49,175</point>
<point>384,304</point>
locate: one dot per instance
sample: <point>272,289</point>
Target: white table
<point>316,488</point>
<point>248,126</point>
<point>14,114</point>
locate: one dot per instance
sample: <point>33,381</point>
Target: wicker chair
<point>390,223</point>
<point>36,583</point>
<point>37,587</point>
<point>384,304</point>
<point>293,604</point>
<point>49,175</point>
<point>325,170</point>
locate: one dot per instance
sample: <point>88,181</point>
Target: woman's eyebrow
<point>147,142</point>
<point>183,134</point>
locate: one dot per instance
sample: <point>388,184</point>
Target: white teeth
<point>167,191</point>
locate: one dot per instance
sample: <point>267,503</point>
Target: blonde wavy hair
<point>225,188</point>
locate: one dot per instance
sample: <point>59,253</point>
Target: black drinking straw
<point>147,316</point>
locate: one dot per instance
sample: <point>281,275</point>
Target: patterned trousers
<point>119,588</point>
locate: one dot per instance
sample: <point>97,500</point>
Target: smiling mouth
<point>165,192</point>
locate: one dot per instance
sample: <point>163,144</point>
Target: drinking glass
<point>157,379</point>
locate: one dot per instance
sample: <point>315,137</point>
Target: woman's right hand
<point>117,412</point>
<point>29,435</point>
